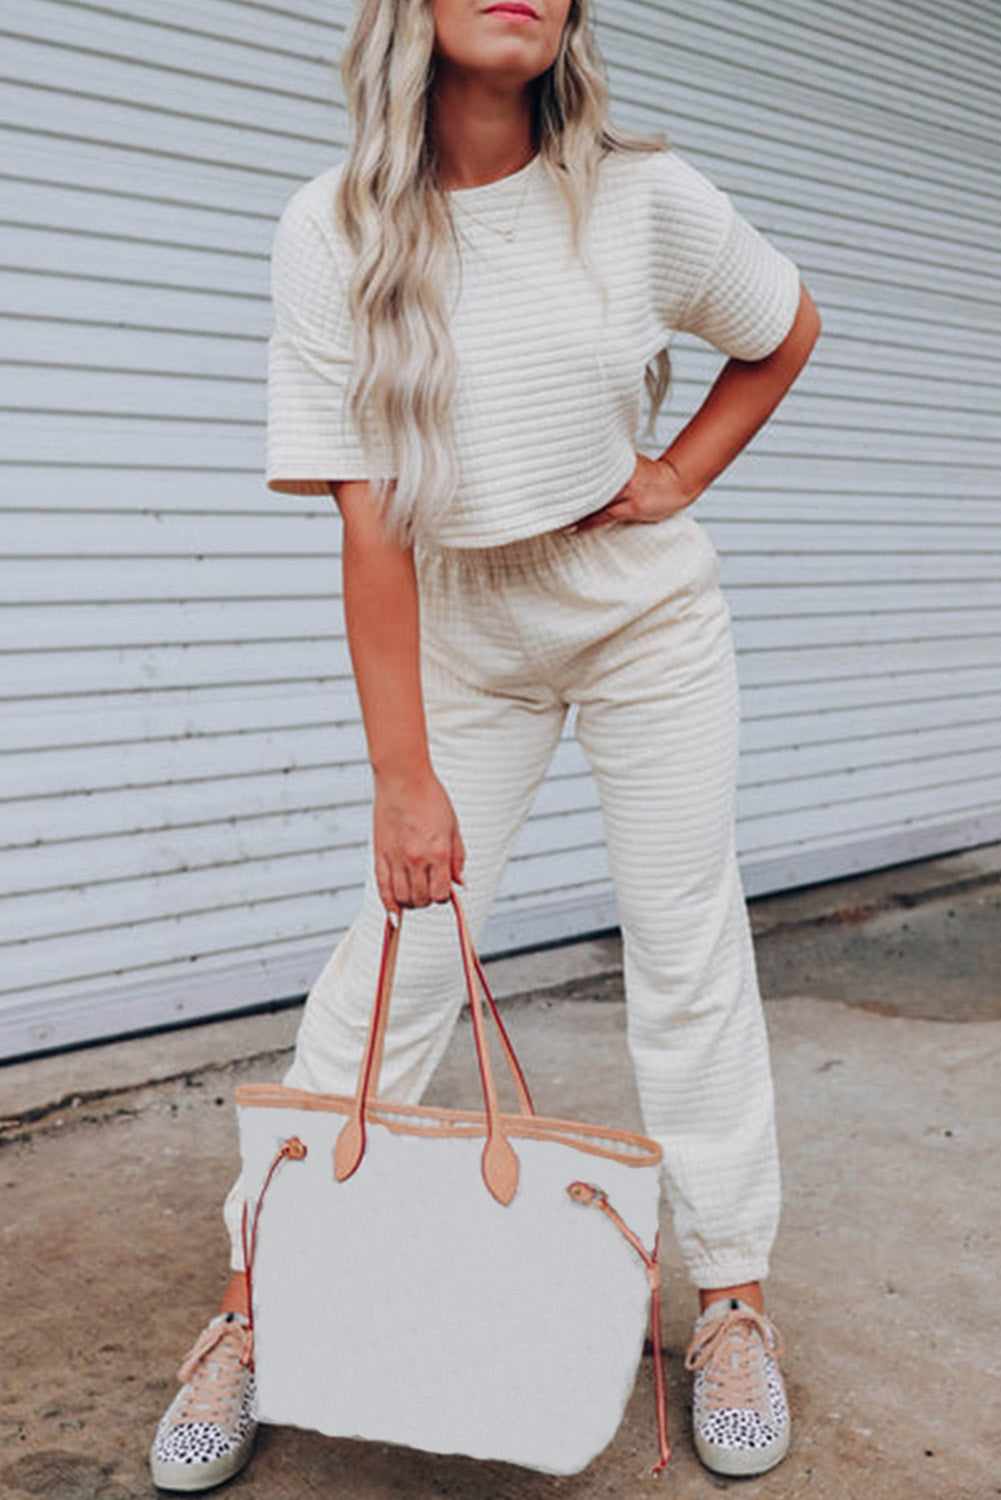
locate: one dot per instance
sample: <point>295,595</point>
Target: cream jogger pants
<point>629,623</point>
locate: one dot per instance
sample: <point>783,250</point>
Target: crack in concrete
<point>13,1127</point>
<point>853,913</point>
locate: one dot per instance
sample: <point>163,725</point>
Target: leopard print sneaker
<point>740,1415</point>
<point>207,1432</point>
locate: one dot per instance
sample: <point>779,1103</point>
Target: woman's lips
<point>515,10</point>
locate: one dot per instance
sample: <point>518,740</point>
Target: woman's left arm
<point>740,401</point>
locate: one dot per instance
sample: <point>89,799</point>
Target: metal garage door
<point>185,790</point>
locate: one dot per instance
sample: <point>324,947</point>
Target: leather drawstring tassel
<point>290,1150</point>
<point>586,1192</point>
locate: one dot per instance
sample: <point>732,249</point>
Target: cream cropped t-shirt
<point>549,392</point>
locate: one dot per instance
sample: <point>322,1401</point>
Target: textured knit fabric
<point>629,623</point>
<point>549,394</point>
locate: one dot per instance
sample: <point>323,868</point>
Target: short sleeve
<point>730,285</point>
<point>311,436</point>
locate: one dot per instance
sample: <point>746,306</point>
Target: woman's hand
<point>418,848</point>
<point>653,492</point>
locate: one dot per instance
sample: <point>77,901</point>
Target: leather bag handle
<point>499,1163</point>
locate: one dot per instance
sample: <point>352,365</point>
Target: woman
<point>466,312</point>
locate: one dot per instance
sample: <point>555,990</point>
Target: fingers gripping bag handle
<point>499,1163</point>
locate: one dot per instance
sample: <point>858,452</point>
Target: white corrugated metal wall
<point>861,532</point>
<point>184,787</point>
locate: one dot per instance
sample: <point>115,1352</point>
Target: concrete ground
<point>884,1012</point>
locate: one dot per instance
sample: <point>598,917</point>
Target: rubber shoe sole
<point>188,1478</point>
<point>742,1461</point>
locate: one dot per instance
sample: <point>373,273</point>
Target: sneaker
<point>740,1415</point>
<point>207,1432</point>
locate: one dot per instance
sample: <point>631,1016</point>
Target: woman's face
<point>512,41</point>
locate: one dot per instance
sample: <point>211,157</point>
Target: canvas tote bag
<point>458,1281</point>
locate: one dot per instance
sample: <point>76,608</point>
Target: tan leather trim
<point>634,1150</point>
<point>350,1147</point>
<point>498,1164</point>
<point>587,1192</point>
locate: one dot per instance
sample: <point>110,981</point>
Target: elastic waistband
<point>548,552</point>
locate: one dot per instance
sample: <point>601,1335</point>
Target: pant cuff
<point>707,1277</point>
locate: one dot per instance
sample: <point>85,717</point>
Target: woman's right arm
<point>417,844</point>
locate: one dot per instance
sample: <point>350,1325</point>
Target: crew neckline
<point>498,188</point>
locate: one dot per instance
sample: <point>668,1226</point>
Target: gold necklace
<point>506,232</point>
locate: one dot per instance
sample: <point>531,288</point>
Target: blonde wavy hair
<point>397,221</point>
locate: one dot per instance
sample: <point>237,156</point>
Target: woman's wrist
<point>689,490</point>
<point>400,775</point>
